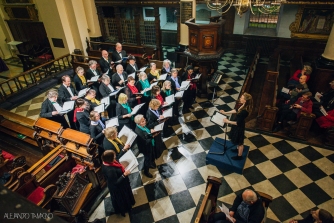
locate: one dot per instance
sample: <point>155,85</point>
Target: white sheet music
<point>179,94</point>
<point>226,211</point>
<point>129,160</point>
<point>197,77</point>
<point>142,69</point>
<point>132,75</point>
<point>136,108</point>
<point>317,96</point>
<point>159,127</point>
<point>168,113</point>
<point>115,92</point>
<point>162,77</point>
<point>67,106</point>
<point>170,99</point>
<point>105,101</point>
<point>184,85</point>
<point>99,108</point>
<point>94,79</point>
<point>285,90</point>
<point>112,122</point>
<point>218,118</point>
<point>127,136</point>
<point>148,89</point>
<point>83,92</point>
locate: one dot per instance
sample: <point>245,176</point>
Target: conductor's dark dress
<point>119,187</point>
<point>237,133</point>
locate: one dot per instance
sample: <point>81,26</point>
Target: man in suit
<point>118,54</point>
<point>106,64</point>
<point>132,66</point>
<point>93,72</point>
<point>118,79</point>
<point>49,111</point>
<point>66,92</point>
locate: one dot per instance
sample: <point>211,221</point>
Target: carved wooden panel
<point>193,39</point>
<point>208,41</point>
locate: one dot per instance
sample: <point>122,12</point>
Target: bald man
<point>247,207</point>
<point>118,55</point>
<point>106,63</point>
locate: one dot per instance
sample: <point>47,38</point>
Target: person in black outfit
<point>105,89</point>
<point>247,207</point>
<point>189,95</point>
<point>91,99</point>
<point>318,216</point>
<point>106,64</point>
<point>118,183</point>
<point>146,143</point>
<point>326,101</point>
<point>118,54</point>
<point>119,78</point>
<point>80,80</point>
<point>166,67</point>
<point>66,92</point>
<point>132,67</point>
<point>134,98</point>
<point>96,129</point>
<point>49,111</point>
<point>123,112</point>
<point>175,80</point>
<point>81,115</point>
<point>112,142</point>
<point>237,133</point>
<point>154,118</point>
<point>93,72</point>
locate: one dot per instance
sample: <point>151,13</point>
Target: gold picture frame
<point>313,22</point>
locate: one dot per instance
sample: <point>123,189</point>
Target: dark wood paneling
<point>169,38</point>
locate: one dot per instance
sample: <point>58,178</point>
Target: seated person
<point>246,207</point>
<point>307,70</point>
<point>112,142</point>
<point>292,96</point>
<point>318,216</point>
<point>292,113</point>
<point>326,101</point>
<point>326,120</point>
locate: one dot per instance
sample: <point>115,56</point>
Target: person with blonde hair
<point>237,133</point>
<point>166,67</point>
<point>123,112</point>
<point>154,75</point>
<point>112,142</point>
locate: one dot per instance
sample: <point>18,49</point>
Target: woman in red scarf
<point>132,92</point>
<point>156,95</point>
<point>81,115</point>
<point>118,183</point>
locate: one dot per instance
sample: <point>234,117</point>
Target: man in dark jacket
<point>247,208</point>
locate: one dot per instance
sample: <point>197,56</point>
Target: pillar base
<point>181,48</point>
<point>325,63</point>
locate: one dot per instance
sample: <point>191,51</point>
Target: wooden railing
<point>33,77</point>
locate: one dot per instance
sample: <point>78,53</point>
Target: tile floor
<point>298,176</point>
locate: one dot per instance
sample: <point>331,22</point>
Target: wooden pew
<point>9,162</point>
<point>208,204</point>
<point>82,61</point>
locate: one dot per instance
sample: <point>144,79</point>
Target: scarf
<point>83,79</point>
<point>148,132</point>
<point>75,113</point>
<point>160,98</point>
<point>145,84</point>
<point>243,211</point>
<point>134,90</point>
<point>127,107</point>
<point>93,100</point>
<point>115,144</point>
<point>168,92</point>
<point>115,164</point>
<point>155,74</point>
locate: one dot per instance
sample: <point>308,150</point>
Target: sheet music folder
<point>218,118</point>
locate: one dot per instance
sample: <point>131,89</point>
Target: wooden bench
<point>208,204</point>
<point>250,74</point>
<point>9,162</point>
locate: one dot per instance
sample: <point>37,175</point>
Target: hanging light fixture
<point>242,6</point>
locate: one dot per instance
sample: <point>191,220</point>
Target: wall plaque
<point>186,11</point>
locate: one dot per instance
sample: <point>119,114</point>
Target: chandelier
<point>263,6</point>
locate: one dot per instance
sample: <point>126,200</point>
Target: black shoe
<point>234,150</point>
<point>153,166</point>
<point>236,157</point>
<point>148,174</point>
<point>277,128</point>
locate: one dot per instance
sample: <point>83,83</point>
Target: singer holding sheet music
<point>80,79</point>
<point>118,79</point>
<point>154,75</point>
<point>112,142</point>
<point>237,133</point>
<point>190,94</point>
<point>105,90</point>
<point>146,143</point>
<point>96,130</point>
<point>166,67</point>
<point>132,66</point>
<point>91,99</point>
<point>123,112</point>
<point>118,183</point>
<point>134,98</point>
<point>49,111</point>
<point>81,115</point>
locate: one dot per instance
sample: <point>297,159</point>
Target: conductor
<point>237,132</point>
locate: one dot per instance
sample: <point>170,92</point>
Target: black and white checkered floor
<point>298,176</point>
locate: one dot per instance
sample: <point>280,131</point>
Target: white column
<point>329,50</point>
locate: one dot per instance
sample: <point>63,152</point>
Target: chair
<point>266,200</point>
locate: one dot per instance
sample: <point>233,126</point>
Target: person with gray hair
<point>91,72</point>
<point>105,90</point>
<point>166,67</point>
<point>119,78</point>
<point>106,64</point>
<point>49,109</point>
<point>247,207</point>
<point>146,143</point>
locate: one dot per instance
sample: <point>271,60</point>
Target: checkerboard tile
<point>298,176</point>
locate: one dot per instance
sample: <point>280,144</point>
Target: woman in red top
<point>132,92</point>
<point>156,95</point>
<point>294,80</point>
